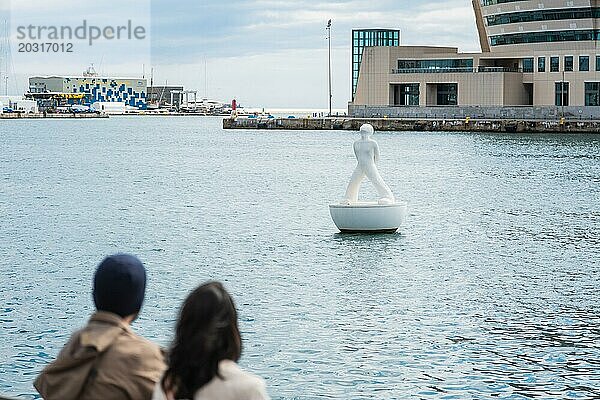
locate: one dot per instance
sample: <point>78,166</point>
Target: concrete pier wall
<point>492,113</point>
<point>396,124</point>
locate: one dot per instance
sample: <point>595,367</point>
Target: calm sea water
<point>491,289</point>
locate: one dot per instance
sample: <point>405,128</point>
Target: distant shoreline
<point>19,115</point>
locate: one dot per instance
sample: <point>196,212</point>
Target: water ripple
<point>489,291</point>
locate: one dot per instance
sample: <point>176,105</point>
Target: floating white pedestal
<point>368,217</point>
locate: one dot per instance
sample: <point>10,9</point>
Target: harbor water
<point>490,290</point>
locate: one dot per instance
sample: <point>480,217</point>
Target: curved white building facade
<point>514,25</point>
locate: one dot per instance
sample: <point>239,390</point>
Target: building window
<point>561,90</point>
<point>544,37</point>
<point>541,64</point>
<point>528,65</point>
<point>597,63</point>
<point>592,93</point>
<point>431,66</point>
<point>584,63</point>
<point>406,94</point>
<point>543,15</point>
<point>569,63</point>
<point>554,62</point>
<point>447,94</point>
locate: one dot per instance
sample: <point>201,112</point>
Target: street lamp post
<point>329,47</point>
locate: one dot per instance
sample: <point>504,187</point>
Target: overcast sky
<point>272,53</point>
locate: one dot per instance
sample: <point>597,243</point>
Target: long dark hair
<point>206,333</point>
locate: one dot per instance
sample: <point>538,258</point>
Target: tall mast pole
<point>329,46</point>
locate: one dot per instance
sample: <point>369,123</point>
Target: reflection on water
<point>489,291</point>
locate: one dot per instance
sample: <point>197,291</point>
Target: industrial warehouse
<point>93,89</point>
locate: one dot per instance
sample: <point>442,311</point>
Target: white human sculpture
<point>366,151</point>
<point>383,216</point>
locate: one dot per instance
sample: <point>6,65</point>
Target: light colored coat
<point>104,360</point>
<point>236,384</point>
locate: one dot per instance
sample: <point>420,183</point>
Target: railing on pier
<point>454,70</point>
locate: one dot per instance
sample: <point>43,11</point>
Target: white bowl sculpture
<point>368,217</point>
<point>384,215</point>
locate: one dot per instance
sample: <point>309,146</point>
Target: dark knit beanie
<point>120,284</point>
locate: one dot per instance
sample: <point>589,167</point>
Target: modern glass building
<point>362,38</point>
<point>533,53</point>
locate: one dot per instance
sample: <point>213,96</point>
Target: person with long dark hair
<point>202,362</point>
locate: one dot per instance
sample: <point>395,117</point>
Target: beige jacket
<point>236,384</point>
<point>104,360</point>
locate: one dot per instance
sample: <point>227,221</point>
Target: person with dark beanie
<point>106,359</point>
